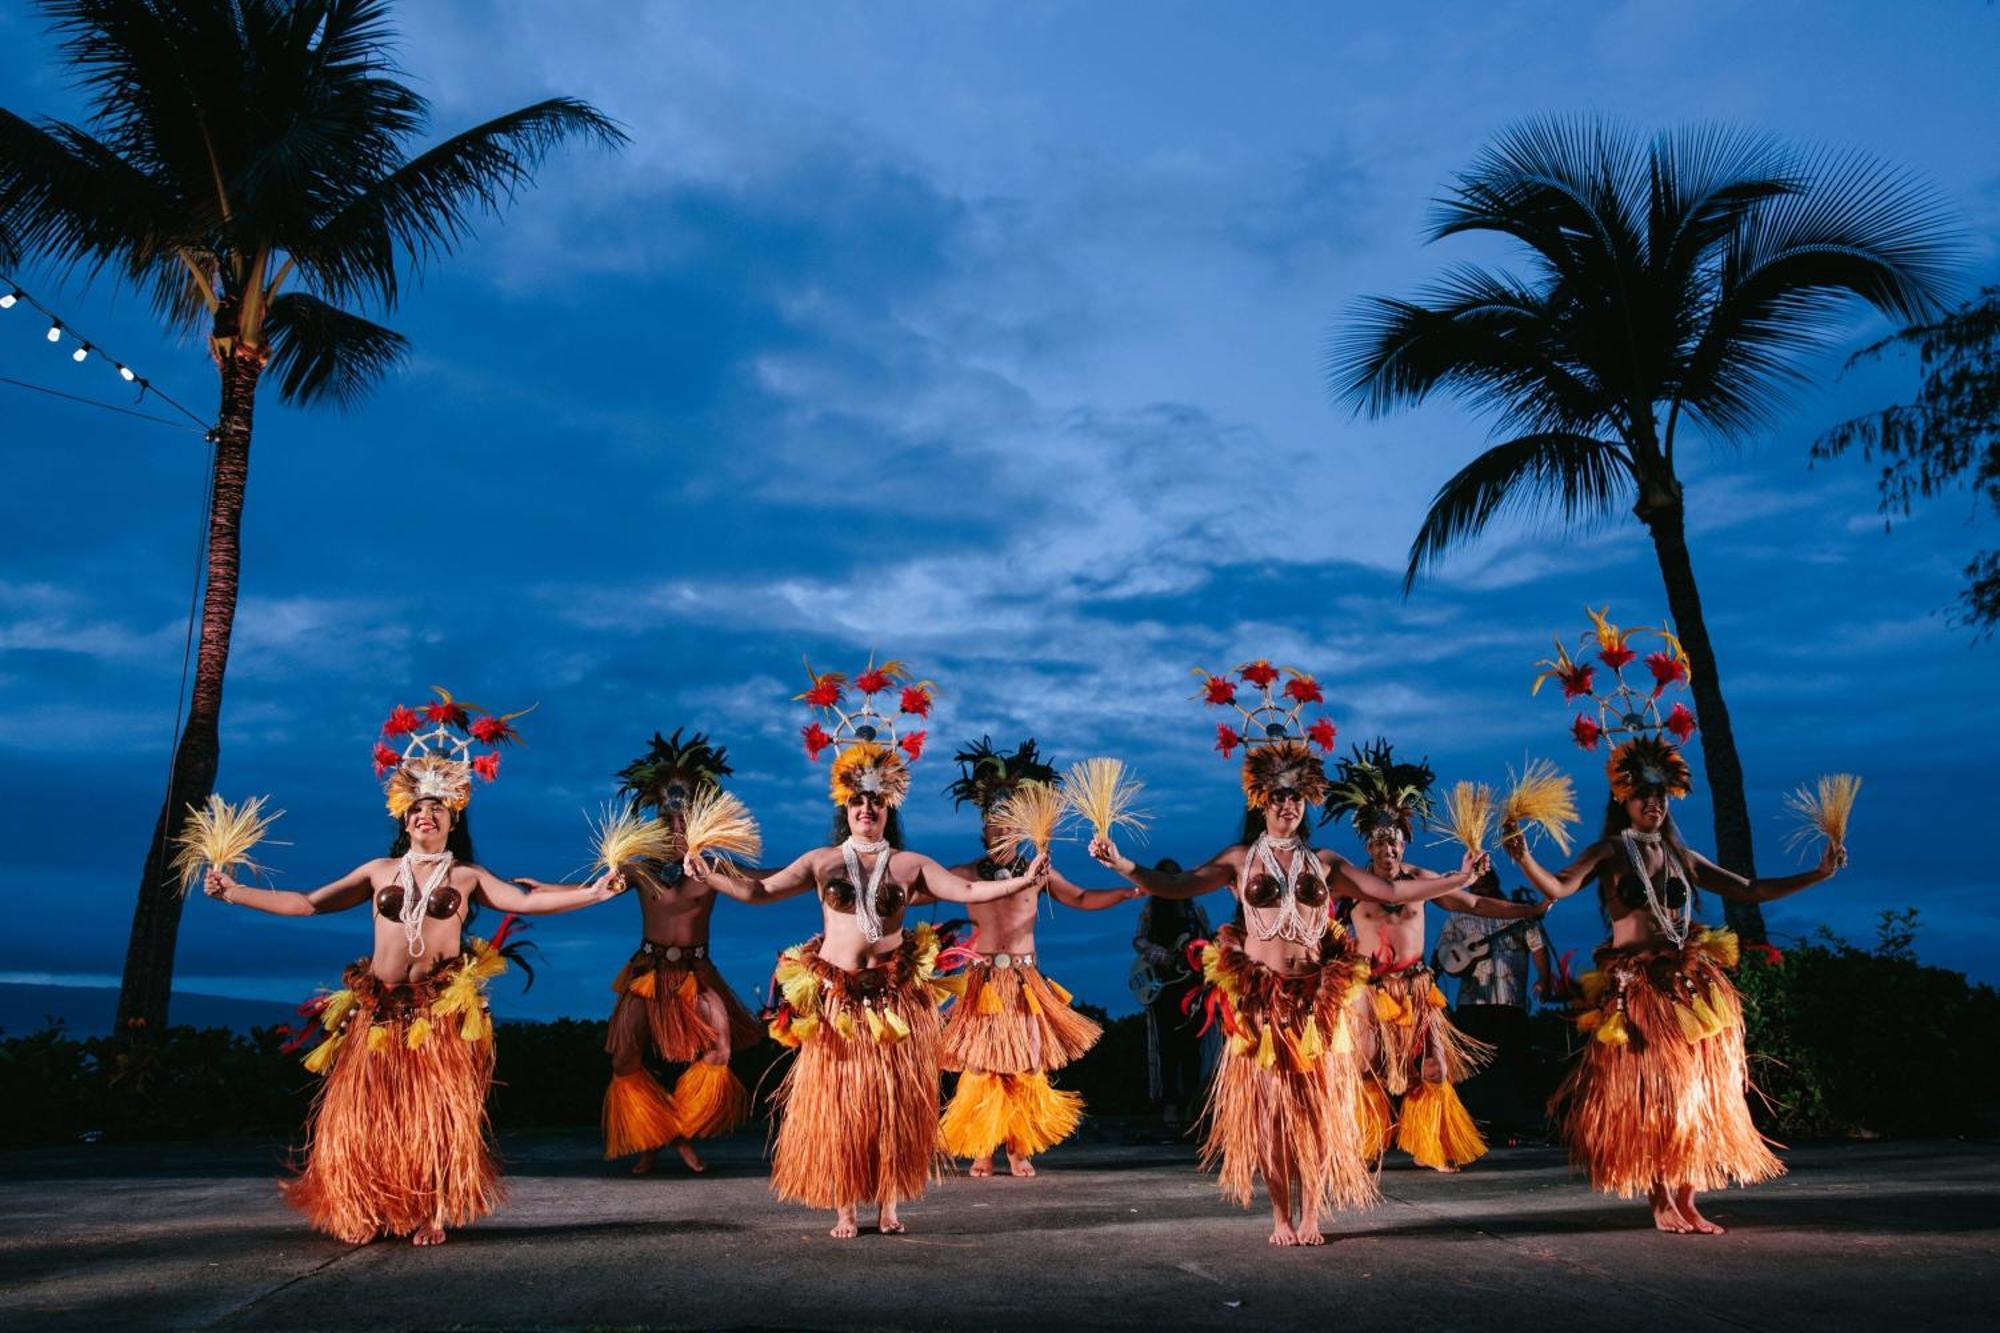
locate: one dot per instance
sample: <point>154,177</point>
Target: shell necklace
<point>1290,923</point>
<point>865,913</point>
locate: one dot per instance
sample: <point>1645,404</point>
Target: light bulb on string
<point>81,354</point>
<point>125,373</point>
<point>55,332</point>
<point>7,301</point>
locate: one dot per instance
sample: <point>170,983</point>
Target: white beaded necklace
<point>1290,923</point>
<point>417,902</point>
<point>865,913</point>
<point>1675,926</point>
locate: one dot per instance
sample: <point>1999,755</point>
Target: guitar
<point>1456,959</point>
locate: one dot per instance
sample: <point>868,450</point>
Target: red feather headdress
<point>1646,753</point>
<point>1277,741</point>
<point>871,756</point>
<point>462,742</point>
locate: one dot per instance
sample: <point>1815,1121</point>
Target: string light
<point>14,296</point>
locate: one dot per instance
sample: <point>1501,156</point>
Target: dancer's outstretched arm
<point>1210,875</point>
<point>940,883</point>
<point>1088,900</point>
<point>1726,883</point>
<point>350,890</point>
<point>506,897</point>
<point>1359,882</point>
<point>1495,909</point>
<point>1556,885</point>
<point>753,885</point>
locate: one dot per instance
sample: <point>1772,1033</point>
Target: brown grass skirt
<point>398,1133</point>
<point>858,1110</point>
<point>657,1010</point>
<point>1283,1102</point>
<point>1660,1094</point>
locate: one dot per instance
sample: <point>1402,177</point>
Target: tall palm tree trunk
<point>1666,519</point>
<point>147,987</point>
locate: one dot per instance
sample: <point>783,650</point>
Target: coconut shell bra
<point>841,895</point>
<point>443,904</point>
<point>1267,891</point>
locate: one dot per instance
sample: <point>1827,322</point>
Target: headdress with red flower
<point>436,749</point>
<point>1276,739</point>
<point>1647,736</point>
<point>873,756</point>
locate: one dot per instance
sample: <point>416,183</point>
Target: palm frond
<point>323,354</point>
<point>221,836</point>
<point>1580,477</point>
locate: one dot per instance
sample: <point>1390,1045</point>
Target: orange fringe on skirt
<point>1013,1020</point>
<point>657,1008</point>
<point>859,1108</point>
<point>1408,1029</point>
<point>1019,1110</point>
<point>398,1134</point>
<point>1283,1102</point>
<point>1660,1093</point>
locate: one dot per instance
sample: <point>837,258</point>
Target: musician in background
<point>1490,958</point>
<point>1162,979</point>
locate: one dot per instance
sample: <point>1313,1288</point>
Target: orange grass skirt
<point>858,1110</point>
<point>1013,1020</point>
<point>1404,1015</point>
<point>398,1133</point>
<point>1283,1102</point>
<point>1660,1093</point>
<point>657,1009</point>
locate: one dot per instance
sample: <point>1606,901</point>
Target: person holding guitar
<point>1492,959</point>
<point>1414,1052</point>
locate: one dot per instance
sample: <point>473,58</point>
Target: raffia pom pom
<point>322,1055</point>
<point>378,1037</point>
<point>1614,1032</point>
<point>419,1033</point>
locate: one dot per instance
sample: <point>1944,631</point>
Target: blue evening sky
<point>988,336</point>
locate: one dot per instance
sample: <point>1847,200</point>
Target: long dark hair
<point>1611,870</point>
<point>892,828</point>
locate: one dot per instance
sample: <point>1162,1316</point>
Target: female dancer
<point>672,1002</point>
<point>1657,1104</point>
<point>1283,1102</point>
<point>859,1108</point>
<point>1011,1025</point>
<point>398,1141</point>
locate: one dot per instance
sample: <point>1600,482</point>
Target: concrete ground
<point>1111,1235</point>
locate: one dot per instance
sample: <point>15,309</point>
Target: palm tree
<point>246,165</point>
<point>1675,281</point>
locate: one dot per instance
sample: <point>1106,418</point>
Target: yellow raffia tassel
<point>1030,816</point>
<point>1711,1022</point>
<point>1267,1050</point>
<point>1436,998</point>
<point>874,1021</point>
<point>1468,815</point>
<point>221,836</point>
<point>843,1023</point>
<point>1822,811</point>
<point>1343,1037</point>
<point>1541,797</point>
<point>989,1001</point>
<point>805,1027</point>
<point>622,836</point>
<point>336,1008</point>
<point>797,983</point>
<point>1061,993</point>
<point>1034,1001</point>
<point>1311,1045</point>
<point>947,988</point>
<point>928,944</point>
<point>478,1025</point>
<point>642,985</point>
<point>1241,1044</point>
<point>378,1037</point>
<point>1613,1031</point>
<point>1690,1022</point>
<point>897,1027</point>
<point>718,824</point>
<point>487,962</point>
<point>1722,946</point>
<point>1388,1008</point>
<point>419,1033</point>
<point>1103,797</point>
<point>321,1056</point>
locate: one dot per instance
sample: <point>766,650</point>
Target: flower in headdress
<point>386,758</point>
<point>1226,739</point>
<point>1681,723</point>
<point>913,745</point>
<point>1667,670</point>
<point>402,721</point>
<point>487,765</point>
<point>916,699</point>
<point>447,711</point>
<point>879,678</point>
<point>1322,733</point>
<point>1586,731</point>
<point>493,729</point>
<point>815,738</point>
<point>826,688</point>
<point>1218,690</point>
<point>1259,673</point>
<point>1302,688</point>
<point>1611,649</point>
<point>1578,678</point>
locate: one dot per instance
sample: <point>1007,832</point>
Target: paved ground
<point>1112,1234</point>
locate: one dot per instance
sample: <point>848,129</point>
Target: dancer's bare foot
<point>1684,1204</point>
<point>1282,1231</point>
<point>433,1234</point>
<point>1446,1170</point>
<point>686,1150</point>
<point>982,1167</point>
<point>888,1223</point>
<point>644,1166</point>
<point>1020,1166</point>
<point>843,1225</point>
<point>1310,1234</point>
<point>1666,1217</point>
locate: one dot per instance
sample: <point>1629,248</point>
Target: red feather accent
<point>1617,656</point>
<point>402,721</point>
<point>816,740</point>
<point>1666,671</point>
<point>487,766</point>
<point>493,730</point>
<point>916,699</point>
<point>507,924</point>
<point>1218,690</point>
<point>446,713</point>
<point>872,681</point>
<point>825,691</point>
<point>1586,731</point>
<point>1260,672</point>
<point>1304,689</point>
<point>913,745</point>
<point>1579,680</point>
<point>1681,723</point>
<point>1226,739</point>
<point>385,758</point>
<point>1768,954</point>
<point>1188,1001</point>
<point>1321,733</point>
<point>1195,949</point>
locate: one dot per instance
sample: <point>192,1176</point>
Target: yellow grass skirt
<point>1282,1105</point>
<point>1660,1093</point>
<point>398,1133</point>
<point>858,1110</point>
